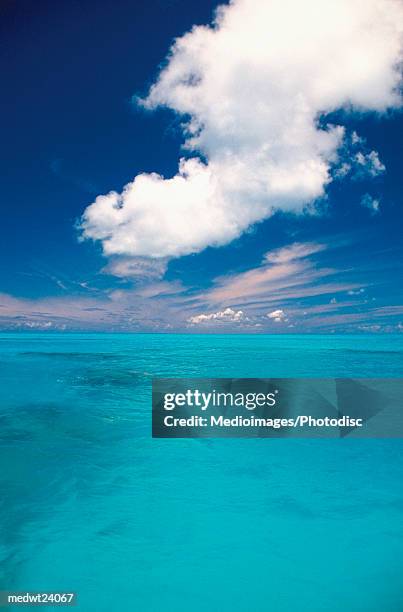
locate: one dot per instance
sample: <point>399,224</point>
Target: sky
<point>192,166</point>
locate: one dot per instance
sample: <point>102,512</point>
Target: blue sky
<point>285,214</point>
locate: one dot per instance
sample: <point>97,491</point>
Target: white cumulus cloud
<point>227,315</point>
<point>251,88</point>
<point>278,316</point>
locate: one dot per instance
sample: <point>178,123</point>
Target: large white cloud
<point>251,88</point>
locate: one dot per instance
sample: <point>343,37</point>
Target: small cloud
<point>370,162</point>
<point>38,325</point>
<point>279,316</point>
<point>356,161</point>
<point>343,170</point>
<point>227,315</point>
<point>371,203</point>
<point>357,292</point>
<point>370,328</point>
<point>356,138</point>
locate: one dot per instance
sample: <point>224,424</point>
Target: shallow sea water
<point>91,503</point>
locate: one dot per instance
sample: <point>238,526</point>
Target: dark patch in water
<point>16,436</point>
<point>368,351</point>
<point>52,452</point>
<point>73,355</point>
<point>110,378</point>
<point>113,529</point>
<point>289,506</point>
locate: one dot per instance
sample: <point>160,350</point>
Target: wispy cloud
<point>294,251</point>
<point>136,267</point>
<point>284,274</point>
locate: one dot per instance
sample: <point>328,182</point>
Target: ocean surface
<point>91,503</point>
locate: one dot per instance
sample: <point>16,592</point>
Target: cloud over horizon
<point>227,316</point>
<point>251,89</point>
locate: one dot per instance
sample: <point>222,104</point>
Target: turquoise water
<point>92,504</point>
